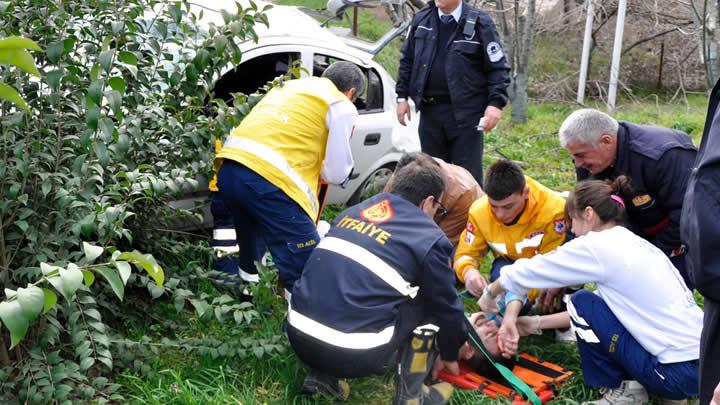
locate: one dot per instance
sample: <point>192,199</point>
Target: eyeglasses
<point>441,211</point>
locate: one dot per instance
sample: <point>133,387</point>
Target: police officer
<point>658,162</point>
<point>271,164</point>
<point>380,272</point>
<point>700,230</point>
<point>455,71</point>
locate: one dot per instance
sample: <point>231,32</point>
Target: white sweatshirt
<point>634,278</point>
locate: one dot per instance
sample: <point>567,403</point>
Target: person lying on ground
<point>640,330</point>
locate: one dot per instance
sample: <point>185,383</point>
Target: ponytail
<point>607,198</point>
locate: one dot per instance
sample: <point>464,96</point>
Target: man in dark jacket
<point>700,230</point>
<point>380,272</point>
<point>454,69</point>
<point>658,162</point>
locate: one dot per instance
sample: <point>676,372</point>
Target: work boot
<point>628,393</point>
<point>317,382</point>
<point>416,360</point>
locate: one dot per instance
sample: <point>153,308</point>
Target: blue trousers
<point>263,212</point>
<point>442,137</point>
<point>609,354</point>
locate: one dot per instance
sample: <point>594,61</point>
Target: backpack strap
<point>469,27</point>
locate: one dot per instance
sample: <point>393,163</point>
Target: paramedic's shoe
<point>628,393</point>
<point>317,382</point>
<point>565,336</point>
<point>436,394</point>
<point>415,363</point>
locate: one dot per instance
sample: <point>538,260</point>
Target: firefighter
<point>270,165</point>
<point>380,273</point>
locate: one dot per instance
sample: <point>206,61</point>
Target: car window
<point>371,100</point>
<point>254,73</point>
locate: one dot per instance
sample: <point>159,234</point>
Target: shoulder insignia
<point>379,212</point>
<point>560,226</point>
<point>469,227</point>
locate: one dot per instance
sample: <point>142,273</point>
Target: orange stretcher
<point>542,377</point>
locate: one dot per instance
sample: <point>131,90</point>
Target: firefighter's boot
<point>416,361</point>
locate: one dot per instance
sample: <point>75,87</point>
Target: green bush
<point>118,124</point>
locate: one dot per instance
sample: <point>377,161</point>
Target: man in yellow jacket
<point>270,167</point>
<point>516,218</point>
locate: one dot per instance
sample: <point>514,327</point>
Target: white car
<point>379,140</point>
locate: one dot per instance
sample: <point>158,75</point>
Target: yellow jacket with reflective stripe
<point>283,139</point>
<point>540,229</point>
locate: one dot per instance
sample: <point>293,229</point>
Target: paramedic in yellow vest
<point>516,218</point>
<point>271,165</point>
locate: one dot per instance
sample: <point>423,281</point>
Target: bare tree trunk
<point>707,18</point>
<point>507,37</point>
<point>526,30</point>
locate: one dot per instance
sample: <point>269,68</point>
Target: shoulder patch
<point>641,200</point>
<point>379,212</point>
<point>469,238</point>
<point>560,226</point>
<point>494,51</point>
<point>469,227</point>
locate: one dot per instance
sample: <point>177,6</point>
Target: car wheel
<point>374,184</point>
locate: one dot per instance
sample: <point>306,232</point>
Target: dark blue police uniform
<point>658,162</point>
<point>453,71</point>
<point>381,271</point>
<point>700,231</point>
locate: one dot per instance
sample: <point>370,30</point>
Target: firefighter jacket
<point>378,255</point>
<point>658,162</point>
<point>476,68</point>
<point>284,138</point>
<point>540,229</point>
<point>700,224</point>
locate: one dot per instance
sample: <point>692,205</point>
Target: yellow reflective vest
<point>283,139</point>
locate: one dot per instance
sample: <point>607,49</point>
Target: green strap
<point>516,383</point>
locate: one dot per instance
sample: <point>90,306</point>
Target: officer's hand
<point>492,117</point>
<point>716,396</point>
<point>550,300</point>
<point>508,338</point>
<point>451,367</point>
<point>403,109</point>
<point>475,282</point>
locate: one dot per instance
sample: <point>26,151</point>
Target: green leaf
<point>128,57</point>
<point>86,363</point>
<point>91,117</point>
<point>14,319</point>
<point>23,225</point>
<point>107,127</point>
<point>124,270</point>
<point>113,279</point>
<point>50,299</point>
<point>94,92</point>
<point>89,277</point>
<point>155,291</point>
<point>92,252</point>
<point>31,301</point>
<point>16,42</point>
<point>10,94</point>
<point>117,84</point>
<point>67,281</point>
<point>147,262</point>
<point>95,72</point>
<point>54,51</point>
<point>115,101</point>
<point>227,17</point>
<point>201,307</point>
<point>105,60</point>
<point>102,153</point>
<point>54,77</point>
<point>21,59</point>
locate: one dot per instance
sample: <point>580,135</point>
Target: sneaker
<point>317,382</point>
<point>565,335</point>
<point>629,393</point>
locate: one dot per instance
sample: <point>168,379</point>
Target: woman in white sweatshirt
<point>640,329</point>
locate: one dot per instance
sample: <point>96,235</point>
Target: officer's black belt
<point>436,100</point>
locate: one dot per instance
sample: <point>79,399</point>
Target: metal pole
<point>617,49</point>
<point>585,59</point>
<point>355,22</point>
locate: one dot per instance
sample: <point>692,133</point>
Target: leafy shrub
<point>118,124</point>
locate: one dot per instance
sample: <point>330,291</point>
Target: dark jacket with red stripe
<point>658,161</point>
<point>700,223</point>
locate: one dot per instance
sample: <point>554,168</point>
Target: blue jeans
<point>609,354</point>
<point>263,212</point>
